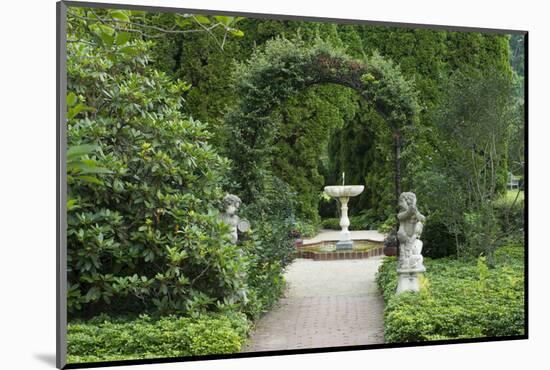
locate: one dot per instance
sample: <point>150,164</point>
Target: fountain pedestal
<point>345,241</point>
<point>343,193</point>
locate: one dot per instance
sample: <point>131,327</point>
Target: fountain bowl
<point>339,191</point>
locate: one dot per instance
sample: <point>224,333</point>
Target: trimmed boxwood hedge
<point>458,299</point>
<point>108,339</point>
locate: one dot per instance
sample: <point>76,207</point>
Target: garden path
<point>327,304</point>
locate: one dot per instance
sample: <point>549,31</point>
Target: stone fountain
<point>343,193</point>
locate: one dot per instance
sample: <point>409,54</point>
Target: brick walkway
<point>327,304</point>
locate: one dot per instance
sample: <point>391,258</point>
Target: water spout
<point>343,178</point>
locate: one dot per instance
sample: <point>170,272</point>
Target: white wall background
<point>27,181</point>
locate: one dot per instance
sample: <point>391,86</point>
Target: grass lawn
<point>510,196</point>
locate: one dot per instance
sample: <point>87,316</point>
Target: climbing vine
<point>284,68</point>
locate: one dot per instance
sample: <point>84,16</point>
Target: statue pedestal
<point>409,265</point>
<point>407,280</point>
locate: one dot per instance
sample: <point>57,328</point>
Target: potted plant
<point>391,243</point>
<point>298,242</point>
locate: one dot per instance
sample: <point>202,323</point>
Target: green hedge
<point>361,222</point>
<point>107,339</point>
<point>356,223</point>
<point>458,299</point>
<point>438,240</point>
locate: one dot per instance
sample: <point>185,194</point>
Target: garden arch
<point>286,67</point>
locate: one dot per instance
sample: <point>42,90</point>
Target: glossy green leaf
<point>80,150</point>
<point>183,22</point>
<point>202,19</point>
<point>122,38</point>
<point>237,33</point>
<point>74,111</point>
<point>225,20</point>
<point>106,38</point>
<point>91,179</point>
<point>71,99</point>
<point>72,204</point>
<point>129,50</point>
<point>121,15</point>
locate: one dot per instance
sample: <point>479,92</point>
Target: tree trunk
<point>397,163</point>
<point>397,158</point>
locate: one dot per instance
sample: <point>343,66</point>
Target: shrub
<point>107,339</point>
<point>266,284</point>
<point>273,218</point>
<point>438,241</point>
<point>305,229</point>
<point>331,223</point>
<point>143,226</point>
<point>458,299</point>
<point>271,246</point>
<point>510,213</point>
<point>363,221</point>
<point>386,277</point>
<point>356,223</point>
<point>388,225</point>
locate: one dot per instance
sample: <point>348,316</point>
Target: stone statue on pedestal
<point>231,204</point>
<point>229,216</point>
<point>410,263</point>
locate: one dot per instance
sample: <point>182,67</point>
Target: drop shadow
<point>47,358</point>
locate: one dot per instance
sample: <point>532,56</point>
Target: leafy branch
<point>121,22</point>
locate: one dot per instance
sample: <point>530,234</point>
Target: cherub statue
<point>229,216</point>
<point>410,229</point>
<point>231,204</point>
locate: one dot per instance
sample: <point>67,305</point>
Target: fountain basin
<point>328,252</point>
<point>340,191</point>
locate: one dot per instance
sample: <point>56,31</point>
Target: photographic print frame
<point>62,187</point>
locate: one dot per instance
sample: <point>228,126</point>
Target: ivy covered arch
<point>285,68</point>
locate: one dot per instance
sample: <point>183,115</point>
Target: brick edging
<point>341,255</point>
